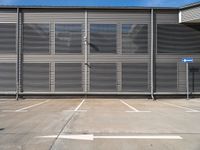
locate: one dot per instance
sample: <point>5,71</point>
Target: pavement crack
<point>65,125</point>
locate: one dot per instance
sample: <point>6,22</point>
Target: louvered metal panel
<point>7,77</point>
<point>49,15</point>
<point>68,77</point>
<point>134,38</point>
<point>36,38</point>
<point>178,38</point>
<point>68,38</point>
<point>103,38</point>
<point>166,77</point>
<point>194,77</point>
<point>7,38</point>
<point>103,77</point>
<point>36,77</point>
<point>138,16</point>
<point>134,77</point>
<point>8,15</point>
<point>166,16</point>
<point>109,31</point>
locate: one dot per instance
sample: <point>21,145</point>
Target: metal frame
<point>152,54</point>
<point>18,54</point>
<point>86,53</point>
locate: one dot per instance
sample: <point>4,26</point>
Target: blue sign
<point>187,60</point>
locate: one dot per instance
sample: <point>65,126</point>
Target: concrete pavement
<point>100,124</point>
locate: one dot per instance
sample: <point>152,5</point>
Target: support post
<point>17,55</point>
<point>86,53</point>
<point>152,54</point>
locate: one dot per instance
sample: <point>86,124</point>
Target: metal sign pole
<point>187,80</point>
<point>187,60</point>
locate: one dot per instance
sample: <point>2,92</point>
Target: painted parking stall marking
<point>91,137</point>
<point>77,109</point>
<point>6,101</point>
<point>25,109</point>
<point>133,109</point>
<point>190,110</point>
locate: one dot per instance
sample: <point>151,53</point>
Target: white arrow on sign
<point>91,137</point>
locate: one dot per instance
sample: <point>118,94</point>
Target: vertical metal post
<point>152,54</point>
<point>17,56</point>
<point>187,80</point>
<point>52,49</point>
<point>86,51</point>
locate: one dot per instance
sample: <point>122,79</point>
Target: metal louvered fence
<point>94,51</point>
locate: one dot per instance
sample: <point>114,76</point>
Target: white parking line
<point>77,108</point>
<point>141,137</point>
<point>186,108</point>
<point>74,110</point>
<point>91,137</point>
<point>131,107</point>
<point>25,108</point>
<point>5,102</point>
<point>11,111</point>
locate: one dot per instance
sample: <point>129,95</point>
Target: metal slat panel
<point>36,38</point>
<point>103,77</point>
<point>36,77</point>
<point>60,58</point>
<point>134,38</point>
<point>114,15</point>
<point>7,16</point>
<point>181,76</point>
<point>68,77</point>
<point>166,77</point>
<point>103,38</point>
<point>49,15</point>
<point>178,38</point>
<point>7,38</point>
<point>7,77</point>
<point>119,58</point>
<point>166,17</point>
<point>194,77</point>
<point>134,77</point>
<point>68,38</point>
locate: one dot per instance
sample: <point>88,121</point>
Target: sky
<point>147,3</point>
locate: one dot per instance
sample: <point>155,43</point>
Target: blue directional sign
<point>187,60</point>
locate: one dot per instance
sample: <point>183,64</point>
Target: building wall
<point>174,41</point>
<point>117,59</point>
<point>190,15</point>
